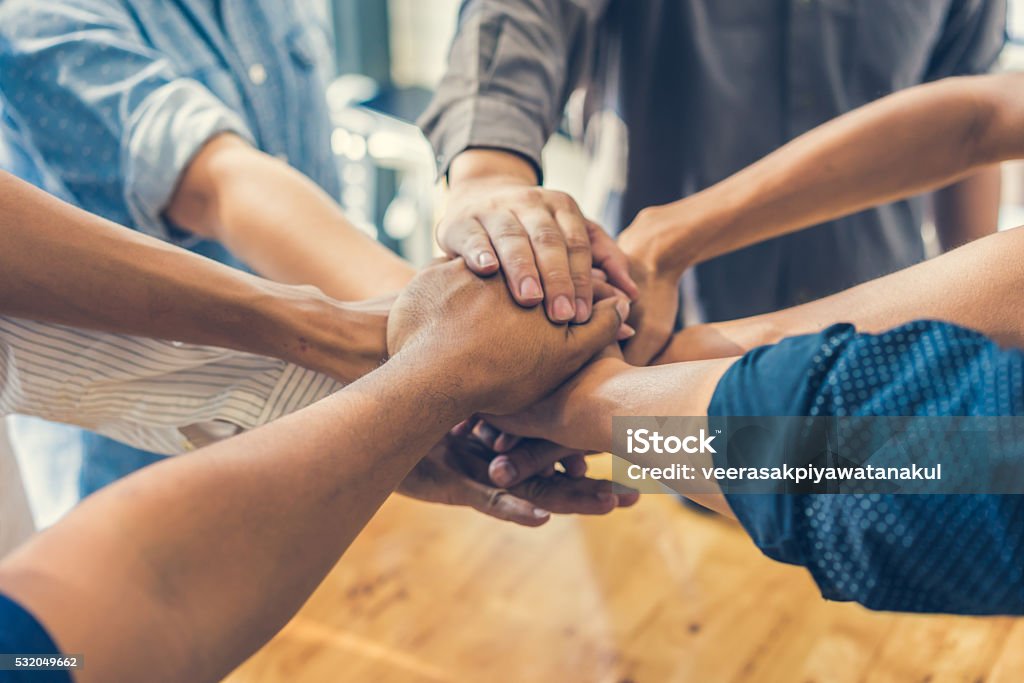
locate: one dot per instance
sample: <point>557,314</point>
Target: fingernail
<point>582,311</point>
<point>486,433</point>
<point>486,260</point>
<point>503,472</point>
<point>505,443</point>
<point>541,514</point>
<point>530,289</point>
<point>622,306</point>
<point>563,309</point>
<point>626,332</point>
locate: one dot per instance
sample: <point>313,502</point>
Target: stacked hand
<point>499,357</point>
<point>540,245</point>
<point>455,472</point>
<point>498,219</point>
<point>657,307</point>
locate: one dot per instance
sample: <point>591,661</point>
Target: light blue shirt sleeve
<point>106,112</point>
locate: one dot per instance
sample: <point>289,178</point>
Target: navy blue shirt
<point>22,634</point>
<point>959,554</point>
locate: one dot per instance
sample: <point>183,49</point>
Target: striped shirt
<point>161,396</point>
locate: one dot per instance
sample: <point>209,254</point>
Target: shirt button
<point>258,74</point>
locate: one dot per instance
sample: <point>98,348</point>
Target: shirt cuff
<point>162,137</point>
<point>485,121</point>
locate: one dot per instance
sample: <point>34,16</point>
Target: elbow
<point>197,204</point>
<point>996,119</point>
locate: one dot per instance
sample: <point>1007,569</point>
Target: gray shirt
<point>705,88</point>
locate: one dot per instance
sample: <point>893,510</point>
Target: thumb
<point>602,330</point>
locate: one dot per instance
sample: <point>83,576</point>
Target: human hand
<point>455,473</point>
<point>656,309</point>
<point>368,326</point>
<point>497,218</point>
<point>653,316</point>
<point>497,357</point>
<point>571,416</point>
<point>502,470</point>
<point>343,339</point>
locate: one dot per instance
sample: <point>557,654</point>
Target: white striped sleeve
<point>164,397</point>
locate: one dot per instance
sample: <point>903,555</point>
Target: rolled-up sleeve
<point>973,37</point>
<point>108,114</point>
<point>512,66</point>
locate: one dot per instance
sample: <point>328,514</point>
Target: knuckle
<point>534,195</point>
<point>557,278</point>
<point>564,202</point>
<point>581,281</point>
<point>508,231</point>
<point>518,261</point>
<point>532,489</point>
<point>577,243</point>
<point>494,499</point>
<point>549,237</point>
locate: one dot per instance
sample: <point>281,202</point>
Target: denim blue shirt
<point>107,101</point>
<point>115,97</point>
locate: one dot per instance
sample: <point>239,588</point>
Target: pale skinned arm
<point>579,415</point>
<point>102,276</point>
<point>920,139</point>
<point>911,142</point>
<point>968,209</point>
<point>281,223</point>
<point>976,286</point>
<point>196,562</point>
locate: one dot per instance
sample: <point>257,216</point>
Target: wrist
<point>307,328</point>
<point>491,166</point>
<point>667,240</point>
<point>588,411</point>
<point>427,372</point>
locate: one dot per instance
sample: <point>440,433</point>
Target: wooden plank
<point>656,594</point>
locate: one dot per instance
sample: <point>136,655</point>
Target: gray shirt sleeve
<point>973,37</point>
<point>512,66</point>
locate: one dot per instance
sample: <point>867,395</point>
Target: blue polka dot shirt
<point>959,554</point>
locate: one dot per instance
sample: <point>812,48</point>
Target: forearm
<point>625,391</point>
<point>907,143</point>
<point>579,415</point>
<point>976,286</point>
<point>680,389</point>
<point>102,276</point>
<point>282,224</point>
<point>968,209</point>
<point>169,556</point>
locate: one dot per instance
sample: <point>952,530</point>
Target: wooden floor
<point>655,594</point>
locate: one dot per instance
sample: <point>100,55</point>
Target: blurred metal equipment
<point>387,167</point>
